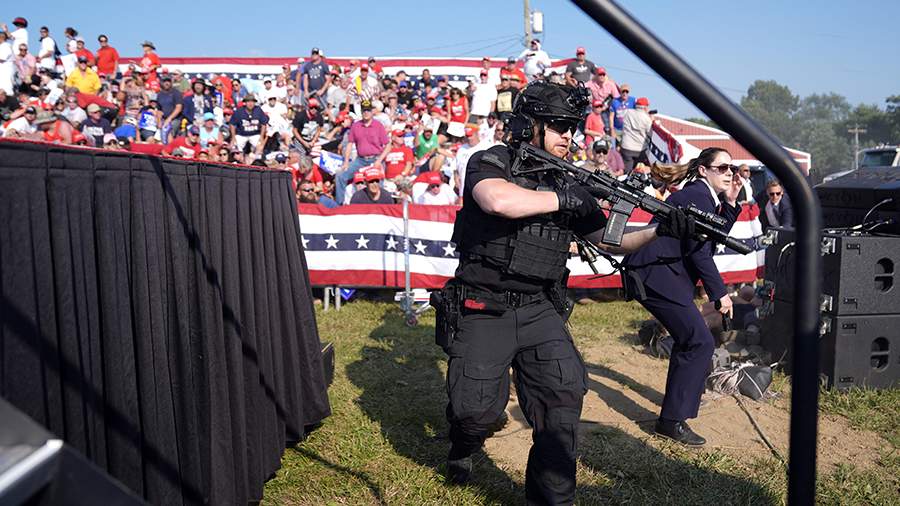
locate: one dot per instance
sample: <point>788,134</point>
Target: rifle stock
<point>625,196</point>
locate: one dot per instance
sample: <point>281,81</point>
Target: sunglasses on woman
<point>724,168</point>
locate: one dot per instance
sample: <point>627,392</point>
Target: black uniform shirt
<point>473,225</point>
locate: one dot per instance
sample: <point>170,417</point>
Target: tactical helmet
<point>549,101</point>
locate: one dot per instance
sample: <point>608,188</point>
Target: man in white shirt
<point>47,52</point>
<point>484,98</point>
<point>746,193</point>
<point>20,34</point>
<point>536,60</point>
<point>277,113</point>
<point>70,60</point>
<point>473,145</point>
<point>7,64</point>
<point>636,126</point>
<point>438,192</point>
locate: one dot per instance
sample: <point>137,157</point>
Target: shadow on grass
<point>363,477</point>
<point>637,473</point>
<point>403,386</point>
<point>620,402</point>
<point>403,389</point>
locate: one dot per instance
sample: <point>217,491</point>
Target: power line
<point>457,44</point>
<point>515,40</point>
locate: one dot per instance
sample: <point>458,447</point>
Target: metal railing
<point>808,268</point>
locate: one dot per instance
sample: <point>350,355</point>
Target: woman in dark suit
<point>670,268</point>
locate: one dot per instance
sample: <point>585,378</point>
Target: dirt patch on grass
<point>626,389</point>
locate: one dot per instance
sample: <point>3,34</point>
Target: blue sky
<point>812,46</point>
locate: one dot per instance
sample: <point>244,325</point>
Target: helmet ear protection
<point>519,127</point>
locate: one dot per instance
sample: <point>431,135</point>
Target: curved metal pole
<point>804,381</point>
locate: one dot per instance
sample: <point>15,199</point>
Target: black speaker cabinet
<point>860,351</point>
<point>861,273</point>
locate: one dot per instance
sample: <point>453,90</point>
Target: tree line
<point>819,123</point>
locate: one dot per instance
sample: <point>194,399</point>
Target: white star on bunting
<point>305,241</point>
<point>331,242</point>
<point>448,250</point>
<point>720,248</point>
<point>391,243</point>
<point>362,242</point>
<point>420,248</point>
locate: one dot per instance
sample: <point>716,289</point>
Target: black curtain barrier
<point>156,314</point>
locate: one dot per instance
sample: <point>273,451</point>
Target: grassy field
<point>385,442</point>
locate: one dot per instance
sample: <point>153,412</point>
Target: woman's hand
<point>725,306</point>
<point>731,194</point>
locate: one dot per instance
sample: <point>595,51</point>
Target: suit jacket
<point>784,212</point>
<point>673,266</point>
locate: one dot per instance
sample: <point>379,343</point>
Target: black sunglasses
<point>724,168</point>
<point>561,126</point>
<point>774,194</point>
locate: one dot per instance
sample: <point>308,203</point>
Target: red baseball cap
<point>312,103</point>
<point>434,178</point>
<point>579,50</point>
<point>358,177</point>
<point>372,174</point>
<point>399,132</point>
<point>471,130</point>
<point>642,102</point>
<point>597,103</point>
<point>601,71</point>
<point>364,66</point>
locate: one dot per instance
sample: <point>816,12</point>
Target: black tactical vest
<point>536,247</point>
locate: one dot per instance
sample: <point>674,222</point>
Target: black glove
<point>577,201</point>
<point>679,226</point>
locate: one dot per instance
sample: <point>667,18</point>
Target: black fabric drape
<point>156,314</point>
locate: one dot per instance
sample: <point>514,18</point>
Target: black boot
<point>459,471</point>
<point>678,431</point>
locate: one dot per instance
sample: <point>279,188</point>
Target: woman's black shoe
<point>679,431</point>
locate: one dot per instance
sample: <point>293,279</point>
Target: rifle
<point>624,196</point>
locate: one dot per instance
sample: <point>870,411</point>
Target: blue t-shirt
<point>167,101</point>
<point>618,107</point>
<point>147,120</point>
<point>248,123</point>
<point>125,131</point>
<point>96,130</point>
<point>317,73</point>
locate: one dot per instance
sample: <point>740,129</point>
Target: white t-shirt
<point>48,47</point>
<point>535,62</point>
<point>7,68</point>
<point>20,125</point>
<point>462,158</point>
<point>19,36</point>
<point>277,114</point>
<point>445,197</point>
<point>484,94</point>
<point>69,62</point>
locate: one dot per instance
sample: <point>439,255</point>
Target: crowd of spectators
<point>397,136</point>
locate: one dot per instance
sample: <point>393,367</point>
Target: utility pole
<point>527,22</point>
<point>856,130</point>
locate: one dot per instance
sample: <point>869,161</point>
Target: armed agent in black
<point>506,305</point>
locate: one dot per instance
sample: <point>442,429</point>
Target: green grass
<point>385,442</point>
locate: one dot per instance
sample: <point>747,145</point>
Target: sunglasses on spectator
<point>774,194</point>
<point>433,186</point>
<point>361,182</point>
<point>724,168</point>
<point>562,126</point>
<point>374,181</point>
<point>307,190</point>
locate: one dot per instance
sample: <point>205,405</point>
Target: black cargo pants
<point>550,384</point>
